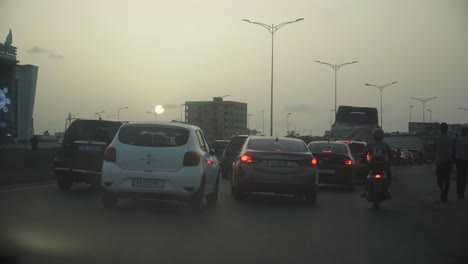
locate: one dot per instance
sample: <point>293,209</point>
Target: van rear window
<point>153,136</point>
<point>94,130</point>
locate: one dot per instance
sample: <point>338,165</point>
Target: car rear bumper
<point>79,175</point>
<point>181,184</point>
<point>340,176</point>
<point>262,182</point>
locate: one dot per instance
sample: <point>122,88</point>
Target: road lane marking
<point>27,188</point>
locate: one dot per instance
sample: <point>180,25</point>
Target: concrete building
<point>26,79</point>
<point>218,119</point>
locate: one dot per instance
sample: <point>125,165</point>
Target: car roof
<point>162,123</point>
<point>279,138</point>
<point>240,136</point>
<point>329,142</point>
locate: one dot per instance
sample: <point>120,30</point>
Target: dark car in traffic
<point>232,150</point>
<point>277,165</point>
<point>80,155</point>
<point>335,163</point>
<point>219,146</point>
<point>357,151</point>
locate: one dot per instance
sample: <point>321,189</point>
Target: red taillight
<point>327,151</point>
<point>313,162</point>
<point>191,159</point>
<point>209,162</point>
<point>246,158</point>
<point>378,176</point>
<point>367,156</point>
<point>349,162</point>
<point>110,154</point>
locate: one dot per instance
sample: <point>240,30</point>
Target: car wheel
<point>212,198</point>
<point>197,200</point>
<point>109,200</point>
<point>64,181</point>
<point>311,197</point>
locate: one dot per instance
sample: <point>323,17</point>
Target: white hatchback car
<point>160,160</point>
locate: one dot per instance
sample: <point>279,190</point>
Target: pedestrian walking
<point>461,161</point>
<point>444,146</point>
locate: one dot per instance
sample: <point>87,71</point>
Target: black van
<point>80,156</point>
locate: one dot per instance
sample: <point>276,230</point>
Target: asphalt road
<point>43,225</point>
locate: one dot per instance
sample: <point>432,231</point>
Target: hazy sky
<point>102,55</point>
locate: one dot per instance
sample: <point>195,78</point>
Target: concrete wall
<point>19,166</point>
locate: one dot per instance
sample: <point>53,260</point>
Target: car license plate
<point>90,148</point>
<point>280,163</point>
<point>148,183</point>
<point>325,171</point>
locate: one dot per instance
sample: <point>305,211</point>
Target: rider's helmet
<point>378,134</point>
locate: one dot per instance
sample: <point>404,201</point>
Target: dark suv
<point>79,158</point>
<point>232,150</point>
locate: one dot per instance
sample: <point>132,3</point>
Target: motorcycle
<point>376,185</point>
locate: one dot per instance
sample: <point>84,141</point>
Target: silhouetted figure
<point>444,146</point>
<point>34,142</point>
<point>398,157</point>
<point>461,160</point>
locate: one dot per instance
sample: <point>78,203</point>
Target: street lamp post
<point>424,101</point>
<point>98,114</point>
<point>110,116</point>
<point>410,108</point>
<point>118,111</point>
<point>331,117</point>
<point>248,129</point>
<point>336,67</point>
<point>272,29</point>
<point>263,123</point>
<point>287,123</point>
<point>381,87</point>
<point>155,115</point>
<point>430,115</point>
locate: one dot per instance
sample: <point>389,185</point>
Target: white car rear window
<point>153,136</point>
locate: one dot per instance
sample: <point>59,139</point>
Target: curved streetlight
<point>381,87</point>
<point>430,115</point>
<point>118,111</point>
<point>410,108</point>
<point>287,123</point>
<point>272,29</point>
<point>110,116</point>
<point>463,108</point>
<point>99,114</point>
<point>336,67</point>
<point>248,129</point>
<point>151,113</point>
<point>424,101</point>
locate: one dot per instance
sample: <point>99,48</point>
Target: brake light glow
<point>110,154</point>
<point>246,158</point>
<point>277,150</point>
<point>378,176</point>
<point>327,151</point>
<point>209,162</point>
<point>349,162</point>
<point>313,162</point>
<point>368,156</point>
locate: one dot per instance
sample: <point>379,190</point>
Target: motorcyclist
<point>379,149</point>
